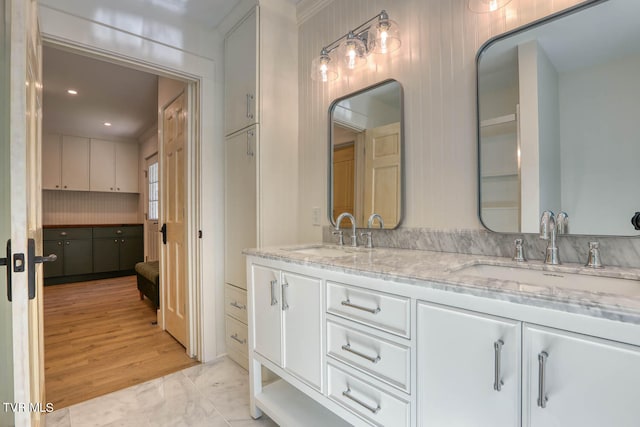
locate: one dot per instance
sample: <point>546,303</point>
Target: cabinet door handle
<point>347,347</point>
<point>359,307</point>
<point>115,241</point>
<point>249,99</point>
<point>59,243</point>
<point>285,306</point>
<point>497,381</point>
<point>542,394</point>
<point>249,150</point>
<point>235,337</point>
<point>348,395</point>
<point>67,242</point>
<point>274,300</point>
<point>236,305</point>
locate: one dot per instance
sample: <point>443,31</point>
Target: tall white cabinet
<point>261,136</point>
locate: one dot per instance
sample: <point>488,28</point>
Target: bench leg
<point>141,295</point>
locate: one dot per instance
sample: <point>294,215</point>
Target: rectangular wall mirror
<point>366,155</point>
<point>559,121</point>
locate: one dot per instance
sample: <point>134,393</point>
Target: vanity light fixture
<point>352,48</point>
<point>484,6</point>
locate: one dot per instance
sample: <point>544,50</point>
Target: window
<point>153,191</point>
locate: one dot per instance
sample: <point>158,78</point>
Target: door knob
<point>163,230</point>
<point>16,262</point>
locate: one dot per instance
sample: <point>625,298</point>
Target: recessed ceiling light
<point>72,91</point>
<point>107,124</point>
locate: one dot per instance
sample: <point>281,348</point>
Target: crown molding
<point>307,8</point>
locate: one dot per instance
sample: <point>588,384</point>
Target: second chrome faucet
<point>550,226</point>
<point>354,237</point>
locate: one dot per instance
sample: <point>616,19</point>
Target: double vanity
<point>397,337</point>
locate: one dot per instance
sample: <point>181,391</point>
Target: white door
<point>580,380</point>
<point>240,204</point>
<point>302,329</point>
<point>265,297</point>
<point>174,249</point>
<point>382,176</point>
<point>21,362</point>
<point>468,368</point>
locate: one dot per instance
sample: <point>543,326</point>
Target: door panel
<point>173,207</point>
<point>78,257</point>
<point>105,255</point>
<point>267,316</point>
<point>131,252</point>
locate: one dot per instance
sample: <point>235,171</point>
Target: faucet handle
<point>340,235</point>
<point>594,260</point>
<point>562,223</point>
<point>518,254</point>
<point>369,240</point>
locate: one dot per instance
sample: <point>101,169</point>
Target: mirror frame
<point>402,149</point>
<point>560,14</point>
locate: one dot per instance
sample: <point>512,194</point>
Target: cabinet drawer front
<point>235,302</point>
<point>128,231</point>
<point>67,233</point>
<point>388,361</point>
<point>366,400</point>
<point>237,336</point>
<point>383,311</point>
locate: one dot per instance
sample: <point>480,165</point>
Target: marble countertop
<point>446,271</point>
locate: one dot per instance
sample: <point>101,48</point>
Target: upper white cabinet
<point>114,166</point>
<point>241,75</point>
<point>468,368</point>
<point>65,162</point>
<point>578,380</point>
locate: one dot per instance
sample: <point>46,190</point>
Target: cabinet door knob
<point>67,242</point>
<point>65,186</point>
<point>57,186</point>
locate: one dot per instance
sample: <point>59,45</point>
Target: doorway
<point>88,207</point>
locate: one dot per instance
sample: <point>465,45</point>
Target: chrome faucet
<point>367,234</point>
<point>550,226</point>
<point>354,238</point>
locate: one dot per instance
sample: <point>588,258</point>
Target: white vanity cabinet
<point>468,368</point>
<point>584,381</point>
<point>287,321</point>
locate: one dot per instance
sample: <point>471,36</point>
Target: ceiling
<point>124,97</point>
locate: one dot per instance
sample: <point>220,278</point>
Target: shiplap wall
<point>84,207</point>
<point>436,66</point>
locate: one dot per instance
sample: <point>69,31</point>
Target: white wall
<point>436,66</point>
<point>603,152</point>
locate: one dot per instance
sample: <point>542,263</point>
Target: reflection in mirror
<point>559,128</point>
<point>365,148</point>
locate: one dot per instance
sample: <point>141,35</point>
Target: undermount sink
<point>323,251</point>
<point>582,282</point>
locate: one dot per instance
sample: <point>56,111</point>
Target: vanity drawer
<point>377,309</point>
<point>237,337</point>
<point>67,233</point>
<point>235,302</point>
<point>388,361</point>
<point>368,401</point>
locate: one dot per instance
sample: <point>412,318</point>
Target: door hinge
<point>199,234</point>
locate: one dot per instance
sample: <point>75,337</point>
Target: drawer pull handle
<point>274,300</point>
<point>285,306</point>
<point>64,233</point>
<point>235,337</point>
<point>347,347</point>
<point>238,306</point>
<point>359,307</point>
<point>349,396</point>
<point>497,381</point>
<point>542,395</point>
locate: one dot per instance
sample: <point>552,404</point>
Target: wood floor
<point>99,338</point>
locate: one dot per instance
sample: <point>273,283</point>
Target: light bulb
<point>383,41</point>
<point>351,56</point>
<point>323,72</point>
<point>493,5</point>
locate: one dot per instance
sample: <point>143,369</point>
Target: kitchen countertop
<point>88,225</point>
<point>443,270</point>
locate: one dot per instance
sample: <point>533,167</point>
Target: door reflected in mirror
<point>558,109</point>
<point>366,155</point>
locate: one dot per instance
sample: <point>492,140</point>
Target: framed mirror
<point>366,146</point>
<point>559,121</point>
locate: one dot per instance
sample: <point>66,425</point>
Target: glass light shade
<point>385,37</point>
<point>323,70</point>
<point>353,52</point>
<point>484,6</point>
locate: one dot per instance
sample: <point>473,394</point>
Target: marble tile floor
<point>213,395</point>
